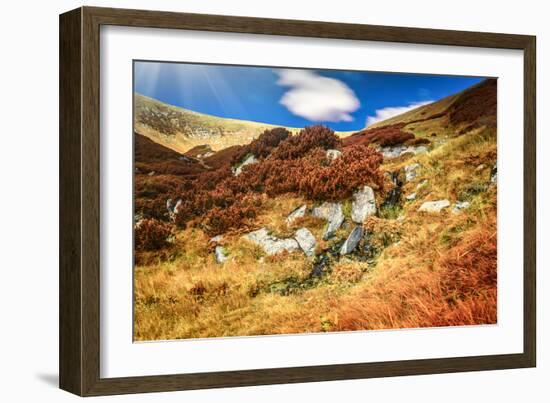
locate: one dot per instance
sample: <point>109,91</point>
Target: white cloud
<point>317,98</point>
<point>391,111</point>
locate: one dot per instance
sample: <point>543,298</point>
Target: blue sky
<point>342,100</point>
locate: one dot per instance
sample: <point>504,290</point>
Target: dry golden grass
<point>433,269</point>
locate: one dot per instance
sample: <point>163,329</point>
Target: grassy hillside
<point>411,269</point>
<point>181,129</point>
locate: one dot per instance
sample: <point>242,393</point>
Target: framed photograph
<point>248,201</point>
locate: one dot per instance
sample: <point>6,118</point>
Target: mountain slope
<point>478,101</point>
<point>448,117</point>
<point>182,129</point>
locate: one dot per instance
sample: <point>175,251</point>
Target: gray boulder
<point>333,154</point>
<point>306,240</point>
<point>247,161</point>
<point>332,212</point>
<point>352,241</point>
<point>434,206</point>
<point>363,205</point>
<point>271,244</point>
<point>221,254</point>
<point>179,202</point>
<point>411,171</point>
<point>411,197</point>
<point>296,213</point>
<point>392,152</point>
<point>460,206</point>
<point>397,151</point>
<point>169,205</point>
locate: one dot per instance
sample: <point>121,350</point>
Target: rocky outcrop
<point>296,213</point>
<point>434,206</point>
<point>411,171</point>
<point>332,212</point>
<point>363,205</point>
<point>271,244</point>
<point>352,240</point>
<point>306,240</point>
<point>333,154</point>
<point>221,254</point>
<point>397,151</point>
<point>247,161</point>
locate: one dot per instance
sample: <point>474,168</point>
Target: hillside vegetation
<point>264,237</point>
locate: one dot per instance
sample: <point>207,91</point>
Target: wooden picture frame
<point>79,347</point>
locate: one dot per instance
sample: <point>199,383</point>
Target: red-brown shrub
<point>220,220</point>
<point>384,136</point>
<point>358,166</point>
<point>263,145</point>
<point>308,139</point>
<point>151,234</point>
<point>152,157</point>
<point>223,158</point>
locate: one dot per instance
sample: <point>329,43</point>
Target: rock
<point>434,206</point>
<point>270,244</point>
<point>296,213</point>
<point>332,212</point>
<point>411,197</point>
<point>410,172</point>
<point>352,241</point>
<point>494,174</point>
<point>333,154</point>
<point>460,206</point>
<point>221,254</point>
<point>169,206</point>
<point>392,152</point>
<point>306,240</point>
<point>363,205</point>
<point>151,173</point>
<point>422,184</point>
<point>480,167</point>
<point>397,151</point>
<point>176,208</point>
<point>247,161</point>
